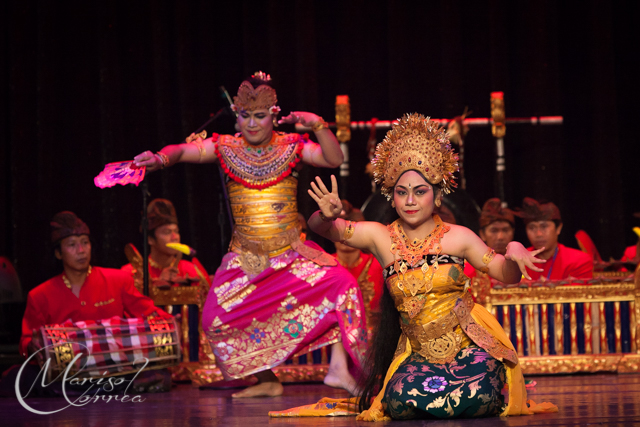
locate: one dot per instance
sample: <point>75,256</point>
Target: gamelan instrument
<point>114,346</point>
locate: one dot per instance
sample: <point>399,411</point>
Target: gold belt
<point>272,245</point>
<point>440,342</point>
<point>255,254</point>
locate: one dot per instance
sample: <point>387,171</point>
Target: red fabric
<point>469,270</point>
<point>185,269</point>
<point>52,302</point>
<point>629,253</point>
<point>568,262</point>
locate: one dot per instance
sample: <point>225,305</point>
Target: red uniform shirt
<point>567,262</point>
<point>106,292</point>
<point>630,253</point>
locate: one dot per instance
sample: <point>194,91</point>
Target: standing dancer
<point>436,353</point>
<point>273,296</point>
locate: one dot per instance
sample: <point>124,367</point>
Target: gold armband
<point>196,139</point>
<point>319,125</point>
<point>349,230</point>
<point>486,259</point>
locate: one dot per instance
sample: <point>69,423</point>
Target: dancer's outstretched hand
<point>149,160</point>
<point>302,117</point>
<point>328,201</point>
<point>519,254</point>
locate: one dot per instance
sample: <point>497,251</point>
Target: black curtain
<point>92,82</point>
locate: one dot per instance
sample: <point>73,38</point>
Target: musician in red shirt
<point>543,225</point>
<point>82,291</point>
<point>166,268</point>
<point>497,225</point>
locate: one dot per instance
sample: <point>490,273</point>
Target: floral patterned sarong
<point>292,307</point>
<point>469,386</point>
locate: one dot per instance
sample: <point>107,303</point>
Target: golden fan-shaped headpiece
<point>250,98</point>
<point>415,143</point>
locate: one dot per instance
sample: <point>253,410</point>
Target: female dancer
<point>436,353</point>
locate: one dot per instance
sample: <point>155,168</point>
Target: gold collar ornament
<point>409,254</point>
<point>415,143</point>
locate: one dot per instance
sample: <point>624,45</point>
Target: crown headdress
<point>250,98</point>
<point>415,143</point>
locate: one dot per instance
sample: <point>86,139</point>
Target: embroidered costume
<point>274,296</point>
<point>105,293</point>
<point>452,357</point>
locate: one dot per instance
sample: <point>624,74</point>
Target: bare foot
<point>266,389</point>
<point>342,379</point>
<point>338,375</point>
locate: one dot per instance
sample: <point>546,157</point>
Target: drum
<point>108,347</point>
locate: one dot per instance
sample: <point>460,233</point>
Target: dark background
<point>91,82</point>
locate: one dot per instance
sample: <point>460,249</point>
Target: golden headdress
<point>250,98</point>
<point>415,143</point>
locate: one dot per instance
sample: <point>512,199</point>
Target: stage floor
<point>603,399</point>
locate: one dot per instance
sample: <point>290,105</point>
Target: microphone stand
<point>145,239</point>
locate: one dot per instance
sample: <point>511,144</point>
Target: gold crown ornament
<point>415,143</point>
<point>250,98</point>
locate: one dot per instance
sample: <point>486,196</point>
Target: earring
<point>393,204</point>
<point>275,122</point>
<point>438,202</point>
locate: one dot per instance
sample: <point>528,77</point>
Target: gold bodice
<point>265,220</point>
<point>443,287</point>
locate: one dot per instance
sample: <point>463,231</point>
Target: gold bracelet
<point>349,230</point>
<point>319,125</point>
<point>324,217</point>
<point>164,159</point>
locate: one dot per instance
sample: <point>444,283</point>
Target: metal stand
<point>145,238</point>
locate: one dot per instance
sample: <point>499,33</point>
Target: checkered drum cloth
<point>116,346</point>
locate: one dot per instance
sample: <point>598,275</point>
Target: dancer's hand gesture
<point>328,201</point>
<point>303,117</point>
<point>524,258</point>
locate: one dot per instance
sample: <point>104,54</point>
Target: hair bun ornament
<point>415,143</point>
<point>262,76</point>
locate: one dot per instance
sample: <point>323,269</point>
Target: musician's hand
<point>169,274</point>
<point>148,159</point>
<point>33,347</point>
<point>328,201</point>
<point>302,117</point>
